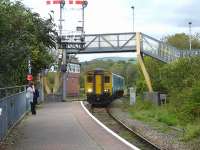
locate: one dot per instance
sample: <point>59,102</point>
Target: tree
<point>181,41</point>
<point>23,34</point>
<point>131,74</point>
<point>181,74</point>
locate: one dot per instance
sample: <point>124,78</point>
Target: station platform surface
<point>64,126</point>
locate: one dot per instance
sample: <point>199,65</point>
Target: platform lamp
<point>190,34</point>
<point>133,17</point>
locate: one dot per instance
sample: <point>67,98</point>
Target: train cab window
<point>89,79</point>
<point>107,79</point>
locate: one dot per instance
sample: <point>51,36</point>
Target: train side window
<point>89,79</point>
<point>107,79</point>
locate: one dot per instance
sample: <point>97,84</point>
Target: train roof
<point>103,70</point>
<point>118,75</point>
<point>99,70</point>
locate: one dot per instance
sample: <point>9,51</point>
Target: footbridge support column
<point>141,62</point>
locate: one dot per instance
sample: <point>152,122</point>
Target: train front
<point>98,87</point>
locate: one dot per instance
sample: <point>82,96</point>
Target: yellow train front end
<point>98,87</point>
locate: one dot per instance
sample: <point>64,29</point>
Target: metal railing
<point>164,52</point>
<point>102,43</point>
<point>13,105</point>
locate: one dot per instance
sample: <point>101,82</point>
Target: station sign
<point>29,77</point>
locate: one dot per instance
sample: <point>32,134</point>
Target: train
<point>102,87</point>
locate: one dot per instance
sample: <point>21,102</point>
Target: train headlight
<point>89,90</point>
<point>106,90</point>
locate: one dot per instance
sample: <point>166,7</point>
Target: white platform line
<point>108,130</point>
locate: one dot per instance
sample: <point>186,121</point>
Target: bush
<point>181,74</point>
<point>186,103</point>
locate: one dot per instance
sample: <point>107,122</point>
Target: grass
<point>162,118</point>
<point>192,131</point>
<point>146,111</point>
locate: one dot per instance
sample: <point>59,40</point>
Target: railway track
<point>104,115</point>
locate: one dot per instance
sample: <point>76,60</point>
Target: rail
<point>13,106</point>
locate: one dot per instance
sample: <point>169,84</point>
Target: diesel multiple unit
<point>102,87</point>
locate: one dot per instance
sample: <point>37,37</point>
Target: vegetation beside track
<point>180,80</point>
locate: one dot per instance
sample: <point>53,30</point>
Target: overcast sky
<point>156,18</point>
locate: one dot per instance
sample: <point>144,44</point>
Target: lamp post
<point>29,76</point>
<point>133,16</point>
<point>62,4</point>
<point>29,65</point>
<point>190,34</point>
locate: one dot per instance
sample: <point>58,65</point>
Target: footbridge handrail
<point>163,51</point>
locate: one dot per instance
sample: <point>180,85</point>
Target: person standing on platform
<point>29,96</point>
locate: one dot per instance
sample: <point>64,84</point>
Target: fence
<point>13,105</point>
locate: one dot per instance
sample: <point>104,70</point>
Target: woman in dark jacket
<point>35,96</point>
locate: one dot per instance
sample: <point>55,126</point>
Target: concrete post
<point>1,111</point>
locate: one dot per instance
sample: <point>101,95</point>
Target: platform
<point>64,126</point>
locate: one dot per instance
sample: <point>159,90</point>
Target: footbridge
<point>137,42</point>
<point>124,42</point>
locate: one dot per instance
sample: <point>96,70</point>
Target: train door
<point>98,85</point>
